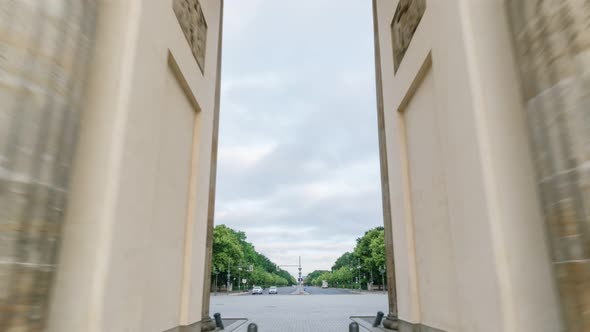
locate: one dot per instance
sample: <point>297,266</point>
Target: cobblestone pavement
<point>325,313</point>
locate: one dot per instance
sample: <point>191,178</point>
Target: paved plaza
<point>322,311</point>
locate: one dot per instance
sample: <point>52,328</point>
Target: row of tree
<point>235,259</point>
<point>362,267</point>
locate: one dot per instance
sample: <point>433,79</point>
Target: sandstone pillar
<point>207,323</point>
<point>552,42</point>
<point>391,319</point>
<point>44,47</point>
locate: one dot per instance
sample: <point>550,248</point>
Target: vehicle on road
<point>256,290</point>
<point>273,290</point>
<point>324,284</point>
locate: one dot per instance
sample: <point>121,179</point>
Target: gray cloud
<point>298,163</point>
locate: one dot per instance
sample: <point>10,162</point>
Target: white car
<point>256,290</point>
<point>273,290</point>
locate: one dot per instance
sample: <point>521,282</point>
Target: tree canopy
<point>233,253</point>
<point>369,254</point>
<point>347,259</point>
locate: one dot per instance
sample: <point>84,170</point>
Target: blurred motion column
<point>552,41</point>
<point>44,48</point>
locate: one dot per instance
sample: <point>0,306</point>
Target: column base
<point>207,324</point>
<point>391,322</point>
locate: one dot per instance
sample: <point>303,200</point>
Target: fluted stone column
<point>44,47</point>
<point>552,42</point>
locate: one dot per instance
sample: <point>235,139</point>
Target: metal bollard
<point>252,327</point>
<point>218,321</point>
<point>378,319</point>
<point>353,327</point>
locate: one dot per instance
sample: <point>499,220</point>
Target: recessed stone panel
<point>193,24</point>
<point>405,21</point>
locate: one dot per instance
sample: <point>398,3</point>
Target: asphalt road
<point>327,291</point>
<point>297,313</point>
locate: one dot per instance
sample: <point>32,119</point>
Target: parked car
<point>273,290</point>
<point>257,290</point>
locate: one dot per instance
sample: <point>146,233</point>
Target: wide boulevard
<point>320,310</point>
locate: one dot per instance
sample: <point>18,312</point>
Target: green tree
<point>370,252</point>
<point>231,248</point>
<point>312,277</point>
<point>347,259</point>
<point>228,251</point>
<point>341,277</point>
<point>378,251</point>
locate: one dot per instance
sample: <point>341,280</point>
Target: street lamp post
<point>228,275</point>
<point>216,271</point>
<point>351,277</point>
<point>359,272</point>
<point>382,270</point>
<point>299,279</point>
<point>240,277</point>
<point>250,269</point>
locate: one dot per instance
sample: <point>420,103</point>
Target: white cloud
<point>264,80</point>
<point>244,209</point>
<point>312,166</point>
<point>358,82</point>
<point>354,179</point>
<point>239,14</point>
<point>245,156</point>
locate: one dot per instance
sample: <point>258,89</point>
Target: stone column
<point>552,43</point>
<point>206,323</point>
<point>44,47</point>
<point>391,320</point>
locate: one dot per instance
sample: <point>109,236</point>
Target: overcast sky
<point>298,166</point>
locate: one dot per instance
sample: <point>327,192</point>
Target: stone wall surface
<point>500,267</point>
<point>552,39</point>
<point>133,253</point>
<point>44,46</point>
